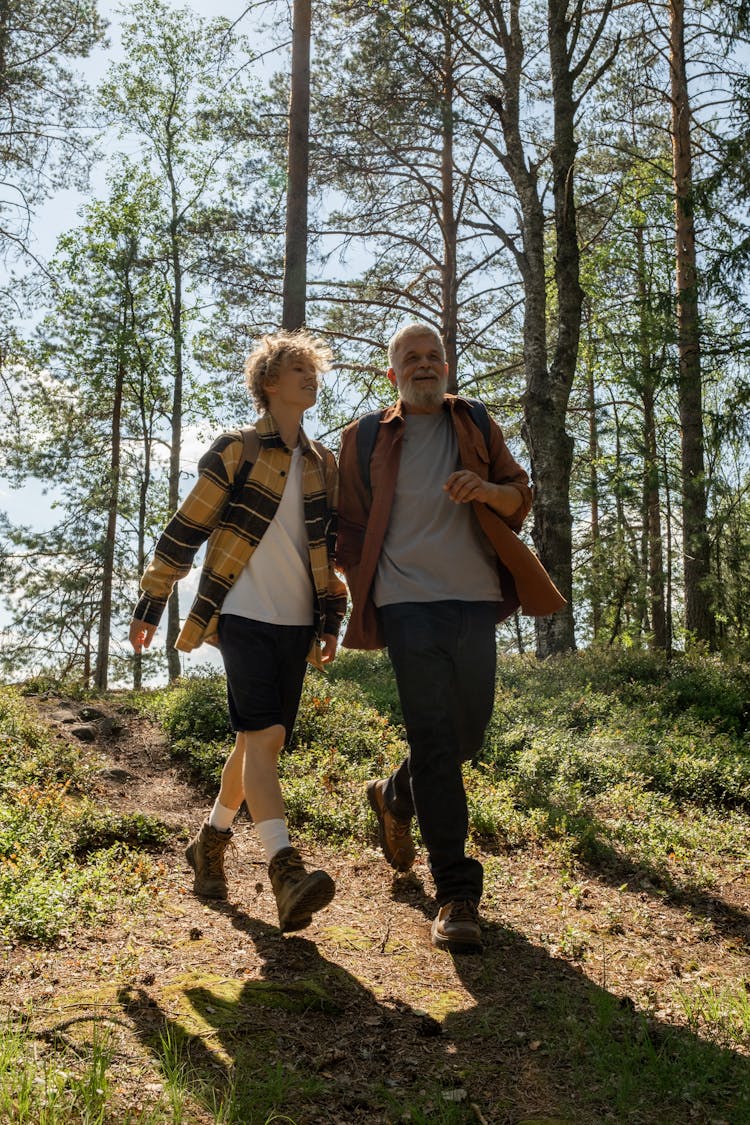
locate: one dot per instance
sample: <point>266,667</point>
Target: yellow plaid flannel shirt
<point>233,521</point>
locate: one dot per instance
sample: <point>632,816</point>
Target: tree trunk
<point>101,671</point>
<point>548,391</point>
<point>448,223</point>
<point>652,513</point>
<point>670,555</point>
<point>543,427</point>
<point>548,383</point>
<point>596,549</point>
<point>295,259</point>
<point>142,507</point>
<point>4,36</point>
<point>699,618</point>
<point>651,500</point>
<point>174,667</point>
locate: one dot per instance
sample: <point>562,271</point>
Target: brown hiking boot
<point>298,893</point>
<point>456,928</point>
<point>394,834</point>
<point>205,854</point>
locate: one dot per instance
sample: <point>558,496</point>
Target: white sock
<point>273,836</point>
<point>220,817</point>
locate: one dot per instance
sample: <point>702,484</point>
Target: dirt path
<point>358,1019</point>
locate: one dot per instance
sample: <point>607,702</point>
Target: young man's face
<point>420,371</point>
<point>295,384</point>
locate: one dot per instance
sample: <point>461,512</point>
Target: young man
<point>433,562</point>
<point>268,596</point>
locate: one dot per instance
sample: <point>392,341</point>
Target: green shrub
<point>41,901</point>
<point>570,739</point>
<point>194,709</point>
<point>372,674</point>
<point>96,828</point>
<point>45,890</point>
<point>29,755</point>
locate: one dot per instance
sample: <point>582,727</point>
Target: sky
<point>55,216</point>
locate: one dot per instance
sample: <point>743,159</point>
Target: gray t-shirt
<point>433,549</point>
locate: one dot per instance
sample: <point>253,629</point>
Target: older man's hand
<point>464,486</point>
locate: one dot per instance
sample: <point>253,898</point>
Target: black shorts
<point>265,666</point>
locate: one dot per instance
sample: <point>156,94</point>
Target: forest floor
<point>210,1014</point>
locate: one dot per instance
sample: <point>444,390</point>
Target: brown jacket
<point>363,520</point>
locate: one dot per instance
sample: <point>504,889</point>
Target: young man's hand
<point>330,644</point>
<point>141,634</point>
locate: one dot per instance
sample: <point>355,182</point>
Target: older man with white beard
<point>427,521</point>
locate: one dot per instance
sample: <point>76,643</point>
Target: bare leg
<point>262,791</point>
<point>232,790</point>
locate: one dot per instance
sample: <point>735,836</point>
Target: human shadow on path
<point>302,1037</point>
<point>605,862</point>
<point>544,1042</point>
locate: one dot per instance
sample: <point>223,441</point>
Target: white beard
<point>423,396</point>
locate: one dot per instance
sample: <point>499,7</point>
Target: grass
<point>631,761</point>
<point>45,1080</point>
<point>619,769</point>
<point>63,862</point>
<point>41,1087</point>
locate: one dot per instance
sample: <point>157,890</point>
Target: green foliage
<point>372,673</point>
<point>53,1091</point>
<point>339,740</point>
<point>625,1058</point>
<point>96,829</point>
<point>31,757</point>
<point>46,823</point>
<point>194,715</point>
<point>193,710</point>
<point>43,146</point>
<point>615,758</point>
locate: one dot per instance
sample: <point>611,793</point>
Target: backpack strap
<point>367,435</point>
<point>250,451</point>
<point>480,417</point>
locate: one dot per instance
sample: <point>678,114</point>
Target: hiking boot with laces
<point>456,928</point>
<point>394,833</point>
<point>205,854</point>
<point>299,893</point>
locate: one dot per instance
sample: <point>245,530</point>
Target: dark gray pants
<point>444,658</point>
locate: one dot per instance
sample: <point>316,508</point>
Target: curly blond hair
<point>263,363</point>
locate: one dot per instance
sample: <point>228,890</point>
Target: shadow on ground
<point>306,1039</point>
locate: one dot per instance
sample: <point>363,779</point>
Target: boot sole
<point>315,892</point>
<point>455,945</point>
<point>199,889</point>
<point>375,806</point>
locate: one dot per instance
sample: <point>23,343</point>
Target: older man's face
<point>420,371</point>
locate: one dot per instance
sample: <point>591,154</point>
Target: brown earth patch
<point>372,1024</point>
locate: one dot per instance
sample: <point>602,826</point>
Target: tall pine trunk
<point>699,617</point>
<point>596,537</point>
<point>548,393</point>
<point>549,366</point>
<point>173,605</point>
<point>449,225</point>
<point>101,671</point>
<point>298,165</point>
<point>143,490</point>
<point>651,510</point>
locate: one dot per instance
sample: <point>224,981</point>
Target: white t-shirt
<point>276,585</point>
